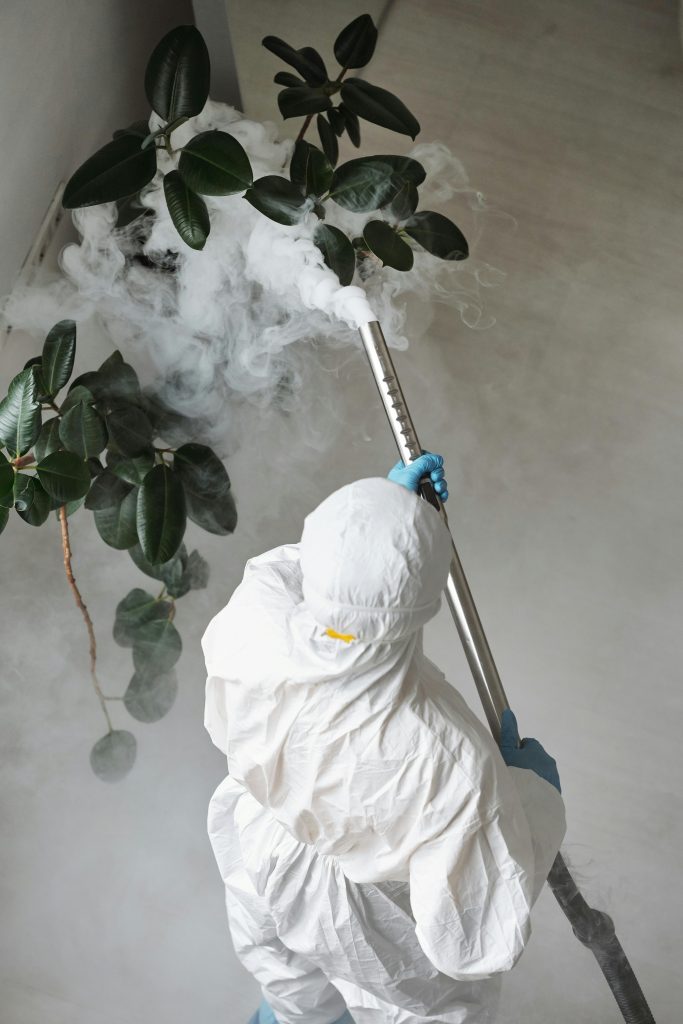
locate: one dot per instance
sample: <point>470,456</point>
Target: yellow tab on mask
<point>346,637</point>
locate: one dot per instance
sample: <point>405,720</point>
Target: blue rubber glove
<point>427,464</point>
<point>527,754</point>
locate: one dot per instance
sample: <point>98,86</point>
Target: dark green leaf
<point>364,184</point>
<point>39,508</point>
<point>4,516</point>
<point>107,490</point>
<point>328,139</point>
<point>116,524</point>
<point>64,476</point>
<point>157,647</point>
<point>119,169</point>
<point>82,431</point>
<point>337,122</point>
<point>404,203</point>
<point>130,430</point>
<point>6,474</point>
<point>48,439</point>
<point>337,252</point>
<point>310,169</point>
<point>95,467</point>
<point>438,235</point>
<point>301,101</point>
<point>207,488</point>
<point>170,573</point>
<point>404,167</point>
<point>178,74</point>
<point>378,106</point>
<point>137,608</point>
<point>387,245</point>
<point>115,381</point>
<point>41,391</point>
<point>355,44</point>
<point>133,471</point>
<point>59,352</point>
<point>23,492</point>
<point>161,514</point>
<point>150,696</point>
<point>277,198</point>
<point>20,413</point>
<point>113,756</point>
<point>351,124</point>
<point>214,164</point>
<point>306,61</point>
<point>71,506</point>
<point>76,395</point>
<point>138,128</point>
<point>288,80</point>
<point>188,211</point>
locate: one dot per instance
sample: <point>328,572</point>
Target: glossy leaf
<point>387,245</point>
<point>157,647</point>
<point>113,756</point>
<point>39,508</point>
<point>328,139</point>
<point>438,235</point>
<point>404,203</point>
<point>351,124</point>
<point>310,169</point>
<point>277,198</point>
<point>133,611</point>
<point>150,696</point>
<point>178,74</point>
<point>20,413</point>
<point>119,169</point>
<point>306,61</point>
<point>364,184</point>
<point>48,440</point>
<point>215,164</point>
<point>355,44</point>
<point>206,483</point>
<point>115,381</point>
<point>64,476</point>
<point>161,514</point>
<point>301,101</point>
<point>82,431</point>
<point>130,430</point>
<point>6,474</point>
<point>37,363</point>
<point>188,211</point>
<point>337,122</point>
<point>116,524</point>
<point>337,252</point>
<point>133,471</point>
<point>378,106</point>
<point>288,80</point>
<point>23,492</point>
<point>76,394</point>
<point>170,572</point>
<point>197,571</point>
<point>106,491</point>
<point>59,352</point>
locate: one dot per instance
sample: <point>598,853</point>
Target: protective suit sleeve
<point>472,889</point>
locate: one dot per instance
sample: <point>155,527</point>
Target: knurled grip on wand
<point>458,595</point>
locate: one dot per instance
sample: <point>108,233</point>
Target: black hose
<point>595,929</point>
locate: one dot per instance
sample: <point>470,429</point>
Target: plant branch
<point>66,550</point>
<point>309,117</point>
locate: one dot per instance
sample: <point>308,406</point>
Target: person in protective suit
<point>380,857</point>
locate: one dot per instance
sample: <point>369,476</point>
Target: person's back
<point>378,855</point>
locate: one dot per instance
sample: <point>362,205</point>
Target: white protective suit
<point>377,852</point>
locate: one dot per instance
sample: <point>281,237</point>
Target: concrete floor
<point>561,429</point>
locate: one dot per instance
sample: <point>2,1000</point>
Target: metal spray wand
<point>594,928</point>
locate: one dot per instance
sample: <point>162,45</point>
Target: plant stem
<point>309,117</point>
<point>66,549</point>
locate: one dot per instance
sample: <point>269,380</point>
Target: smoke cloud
<point>253,317</point>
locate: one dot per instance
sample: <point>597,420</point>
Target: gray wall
<point>561,427</point>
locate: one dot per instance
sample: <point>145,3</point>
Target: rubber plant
<point>143,493</point>
<point>99,445</point>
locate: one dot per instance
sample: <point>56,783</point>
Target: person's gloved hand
<point>427,464</point>
<point>527,754</point>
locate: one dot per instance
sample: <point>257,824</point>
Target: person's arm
<point>473,884</point>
